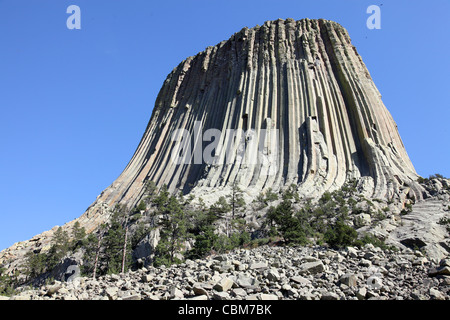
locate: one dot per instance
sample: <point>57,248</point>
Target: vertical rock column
<point>304,83</point>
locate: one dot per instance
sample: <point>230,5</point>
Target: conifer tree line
<point>109,249</point>
<point>188,230</point>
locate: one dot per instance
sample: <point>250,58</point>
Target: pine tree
<point>150,191</point>
<point>203,229</point>
<point>78,235</point>
<point>220,208</point>
<point>237,201</point>
<point>205,242</point>
<point>35,265</point>
<point>292,227</point>
<point>141,206</point>
<point>236,204</point>
<point>162,198</point>
<point>7,282</point>
<point>60,247</point>
<point>340,235</point>
<point>174,231</point>
<point>92,248</point>
<point>115,241</point>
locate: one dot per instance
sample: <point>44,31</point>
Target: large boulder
<point>312,267</point>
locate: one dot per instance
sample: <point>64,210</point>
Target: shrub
<point>263,199</point>
<point>340,235</point>
<point>437,176</point>
<point>422,180</point>
<point>7,283</point>
<point>445,222</point>
<point>291,227</point>
<point>368,238</point>
<point>270,195</point>
<point>141,207</point>
<point>291,193</point>
<point>205,242</point>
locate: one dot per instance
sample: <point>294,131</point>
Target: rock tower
<point>302,88</point>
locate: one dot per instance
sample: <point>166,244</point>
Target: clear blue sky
<point>75,103</point>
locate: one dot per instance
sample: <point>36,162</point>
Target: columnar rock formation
<point>300,92</point>
<point>305,85</point>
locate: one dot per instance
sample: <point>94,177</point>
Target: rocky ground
<point>288,273</point>
<point>270,273</point>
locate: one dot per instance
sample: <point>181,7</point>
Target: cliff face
<point>304,84</point>
<point>285,103</point>
<point>318,121</point>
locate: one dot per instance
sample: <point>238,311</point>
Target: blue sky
<point>75,103</point>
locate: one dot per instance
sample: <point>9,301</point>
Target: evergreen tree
<point>162,198</point>
<point>150,191</point>
<point>95,243</point>
<point>60,247</point>
<point>237,201</point>
<point>291,227</point>
<point>7,282</point>
<point>141,231</point>
<point>141,206</point>
<point>205,241</point>
<point>174,231</point>
<point>115,242</point>
<point>291,193</point>
<point>203,229</point>
<point>35,265</point>
<point>220,208</point>
<point>78,235</point>
<point>91,248</point>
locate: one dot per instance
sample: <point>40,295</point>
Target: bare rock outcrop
<point>297,88</point>
<point>298,91</point>
<point>420,229</point>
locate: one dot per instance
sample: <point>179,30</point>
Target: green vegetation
<point>445,222</point>
<point>174,230</point>
<point>264,198</point>
<point>60,247</point>
<point>437,176</point>
<point>38,263</point>
<point>328,221</point>
<point>109,251</point>
<point>203,228</point>
<point>339,234</point>
<point>79,234</point>
<point>115,242</point>
<point>193,231</point>
<point>141,207</point>
<point>407,209</point>
<point>7,282</point>
<point>433,176</point>
<point>292,227</point>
